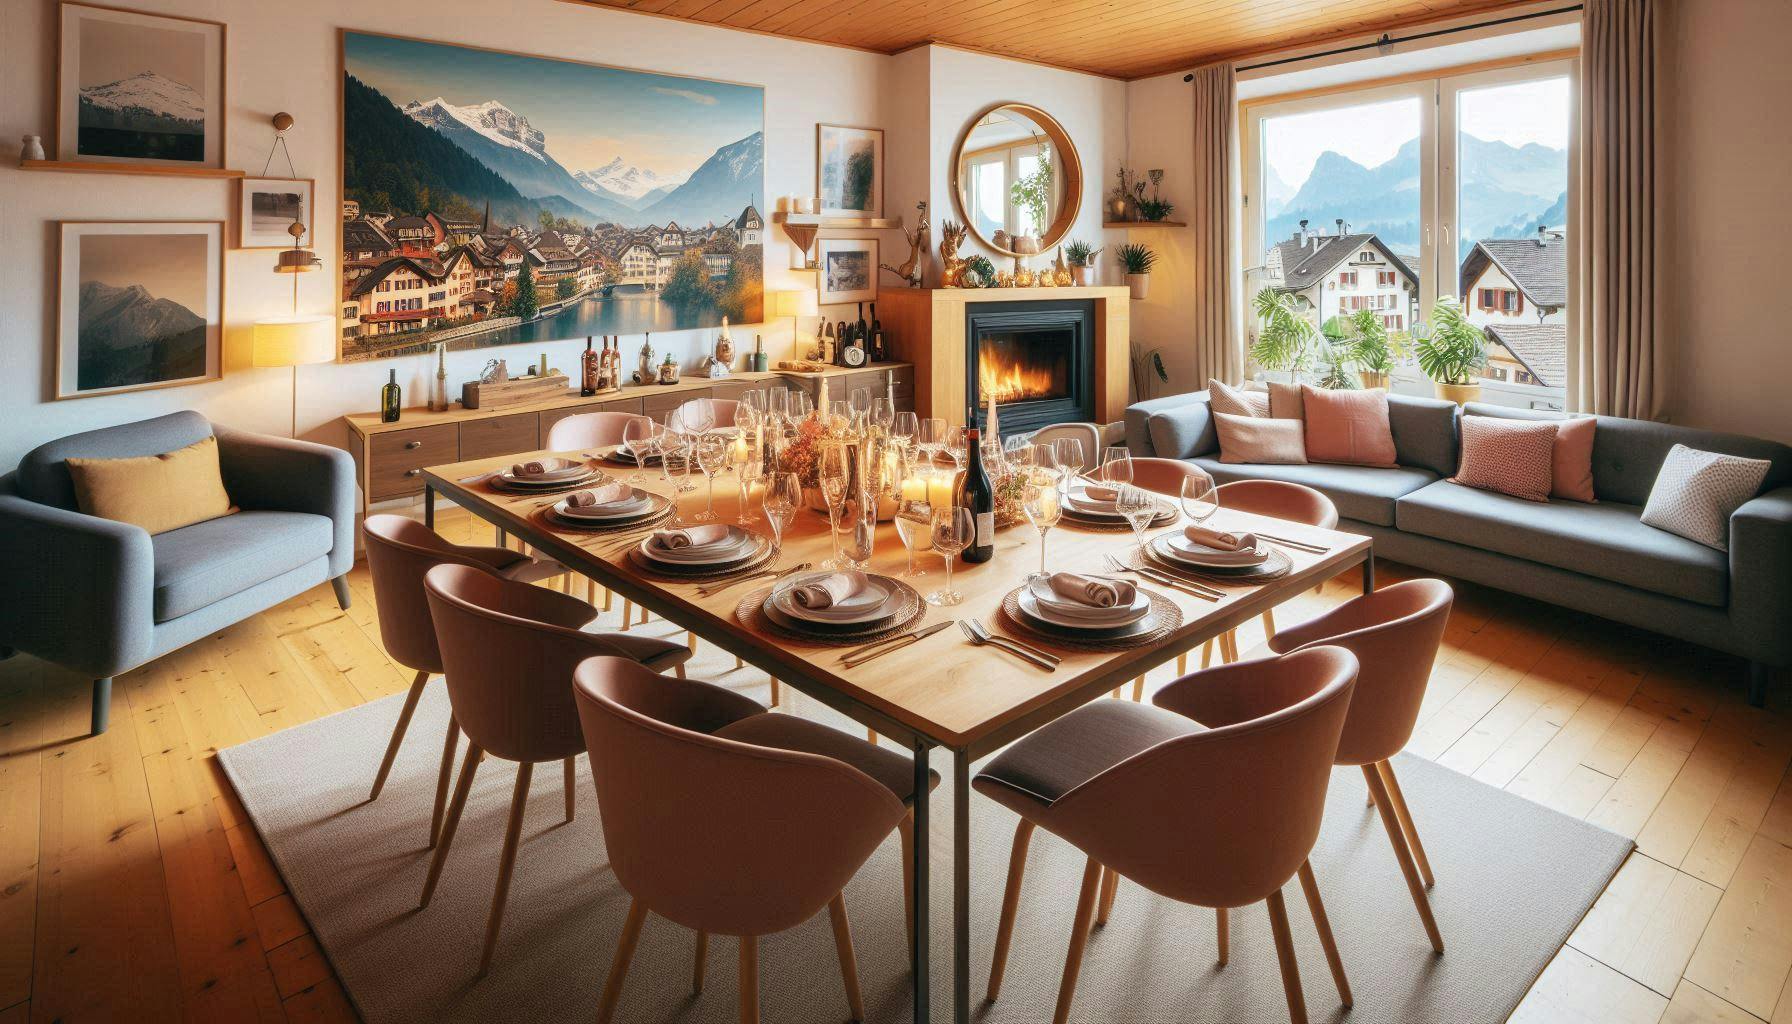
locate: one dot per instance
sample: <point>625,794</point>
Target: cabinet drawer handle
<point>413,472</point>
<point>413,444</point>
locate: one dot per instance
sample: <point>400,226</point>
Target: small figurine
<point>951,264</point>
<point>644,372</point>
<point>910,272</point>
<point>718,364</point>
<point>669,370</point>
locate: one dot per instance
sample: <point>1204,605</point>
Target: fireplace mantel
<point>926,327</point>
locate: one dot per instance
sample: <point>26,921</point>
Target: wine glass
<point>1200,499</point>
<point>684,442</point>
<point>800,405</point>
<point>697,416</point>
<point>859,404</point>
<point>748,470</point>
<point>1040,503</point>
<point>1069,452</point>
<point>883,413</point>
<point>783,497</point>
<point>833,471</point>
<point>955,445</point>
<point>637,435</point>
<point>1116,465</point>
<point>932,437</point>
<point>840,416</point>
<point>861,530</point>
<point>777,405</point>
<point>905,427</point>
<point>1139,508</point>
<point>953,530</point>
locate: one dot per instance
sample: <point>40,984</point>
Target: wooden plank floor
<point>133,887</point>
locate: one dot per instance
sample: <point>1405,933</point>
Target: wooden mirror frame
<point>1072,170</point>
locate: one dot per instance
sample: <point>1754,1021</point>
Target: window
<point>1385,278</point>
<point>1366,256</point>
<point>1347,279</point>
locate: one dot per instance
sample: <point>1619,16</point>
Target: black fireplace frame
<point>1043,314</point>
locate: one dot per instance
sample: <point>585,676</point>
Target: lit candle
<point>914,488</point>
<point>939,489</point>
<point>740,450</point>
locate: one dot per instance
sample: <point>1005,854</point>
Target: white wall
<point>1161,134</point>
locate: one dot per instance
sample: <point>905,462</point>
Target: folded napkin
<point>1220,540</point>
<point>542,467</point>
<point>1097,593</point>
<point>692,537</point>
<point>1100,492</point>
<point>608,494</point>
<point>827,591</point>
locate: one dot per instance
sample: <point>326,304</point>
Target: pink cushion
<point>1515,457</point>
<point>1236,401</point>
<point>1260,439</point>
<point>1348,427</point>
<point>1571,473</point>
<point>1284,401</point>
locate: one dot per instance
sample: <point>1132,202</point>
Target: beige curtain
<point>1219,347</point>
<point>1620,366</point>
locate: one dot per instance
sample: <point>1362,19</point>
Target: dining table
<point>942,691</point>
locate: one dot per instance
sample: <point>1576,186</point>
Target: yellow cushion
<point>157,492</point>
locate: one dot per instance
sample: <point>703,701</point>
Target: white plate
<point>868,604</point>
<point>739,544</point>
<point>1180,549</point>
<point>1030,606</point>
<point>631,506</point>
<point>1087,615</point>
<point>573,470</point>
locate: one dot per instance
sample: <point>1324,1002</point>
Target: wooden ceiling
<point>1120,38</point>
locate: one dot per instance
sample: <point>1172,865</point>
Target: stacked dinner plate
<point>625,455</point>
<point>1048,612</point>
<point>623,506</point>
<point>1082,506</point>
<point>556,474</point>
<point>700,550</point>
<point>1178,551</point>
<point>867,603</point>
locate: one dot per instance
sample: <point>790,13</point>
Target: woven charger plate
<point>1164,617</point>
<point>1166,514</point>
<point>654,570</point>
<point>751,614</point>
<point>661,511</point>
<point>1274,568</point>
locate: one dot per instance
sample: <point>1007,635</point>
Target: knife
<point>858,656</point>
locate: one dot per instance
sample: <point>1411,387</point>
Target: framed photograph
<point>267,207</point>
<point>140,304</point>
<point>849,170</point>
<point>495,198</point>
<point>847,269</point>
<point>139,88</point>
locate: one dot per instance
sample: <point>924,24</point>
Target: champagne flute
<point>685,442</point>
<point>859,404</point>
<point>833,471</point>
<point>955,446</point>
<point>713,452</point>
<point>953,530</point>
<point>783,497</point>
<point>777,406</point>
<point>1200,499</point>
<point>1040,503</point>
<point>748,470</point>
<point>1139,508</point>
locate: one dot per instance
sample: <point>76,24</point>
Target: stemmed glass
<point>1116,465</point>
<point>859,404</point>
<point>905,427</point>
<point>799,406</point>
<point>777,407</point>
<point>713,452</point>
<point>697,416</point>
<point>932,437</point>
<point>1139,507</point>
<point>914,510</point>
<point>953,530</point>
<point>748,470</point>
<point>1040,502</point>
<point>861,530</point>
<point>1200,499</point>
<point>833,471</point>
<point>955,446</point>
<point>637,435</point>
<point>1069,453</point>
<point>783,497</point>
<point>883,413</point>
<point>685,443</point>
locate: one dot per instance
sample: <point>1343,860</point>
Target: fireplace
<point>1036,358</point>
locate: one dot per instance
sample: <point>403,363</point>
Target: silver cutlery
<point>1166,580</point>
<point>859,656</point>
<point>978,636</point>
<point>1298,545</point>
<point>712,589</point>
<point>1022,644</point>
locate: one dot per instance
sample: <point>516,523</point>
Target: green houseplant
<point>1033,193</point>
<point>1136,261</point>
<point>1373,350</point>
<point>1286,340</point>
<point>1452,352</point>
<point>1154,209</point>
<point>1081,257</point>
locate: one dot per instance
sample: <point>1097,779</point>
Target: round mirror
<point>1016,179</point>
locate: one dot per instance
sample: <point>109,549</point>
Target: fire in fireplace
<point>1036,358</point>
<point>1017,367</point>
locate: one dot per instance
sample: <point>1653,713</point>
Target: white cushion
<point>1695,492</point>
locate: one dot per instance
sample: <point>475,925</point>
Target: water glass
<point>914,525</point>
<point>860,533</point>
<point>1139,508</point>
<point>782,499</point>
<point>1069,452</point>
<point>1200,499</point>
<point>953,530</point>
<point>1116,465</point>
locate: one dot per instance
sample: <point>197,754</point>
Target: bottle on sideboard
<point>588,371</point>
<point>391,400</point>
<point>878,354</point>
<point>861,332</point>
<point>978,494</point>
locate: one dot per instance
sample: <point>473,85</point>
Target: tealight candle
<point>939,489</point>
<point>914,488</point>
<point>740,450</point>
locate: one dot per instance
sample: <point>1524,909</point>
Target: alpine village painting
<point>492,198</point>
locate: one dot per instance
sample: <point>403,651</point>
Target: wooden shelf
<point>810,220</point>
<point>1144,224</point>
<point>156,170</point>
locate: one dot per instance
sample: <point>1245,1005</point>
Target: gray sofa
<point>102,597</point>
<point>1596,558</point>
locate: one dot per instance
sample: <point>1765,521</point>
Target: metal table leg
<point>429,506</point>
<point>921,850</point>
<point>1369,572</point>
<point>961,888</point>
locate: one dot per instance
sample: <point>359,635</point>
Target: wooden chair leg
<point>1278,926</point>
<point>1323,925</point>
<point>678,670</point>
<point>625,953</point>
<point>566,584</point>
<point>697,963</point>
<point>749,979</point>
<point>777,692</point>
<point>1182,664</point>
<point>1269,623</point>
<point>452,822</point>
<point>628,612</point>
<point>1079,940</point>
<point>1229,646</point>
<point>1207,653</point>
<point>1138,689</point>
<point>1390,824</point>
<point>1223,927</point>
<point>871,736</point>
<point>1017,867</point>
<point>569,787</point>
<point>849,965</point>
<point>590,590</point>
<point>1407,828</point>
<point>449,744</point>
<point>513,831</point>
<point>905,831</point>
<point>609,598</point>
<point>404,722</point>
<point>1110,884</point>
<point>739,664</point>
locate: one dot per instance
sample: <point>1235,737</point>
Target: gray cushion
<point>1364,493</point>
<point>1183,432</point>
<point>1627,454</point>
<point>207,562</point>
<point>1607,540</point>
<point>43,472</point>
<point>1138,416</point>
<point>1424,433</point>
<point>1076,748</point>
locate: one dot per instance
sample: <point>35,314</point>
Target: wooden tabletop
<point>942,688</point>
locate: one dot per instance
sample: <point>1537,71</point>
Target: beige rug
<point>1513,879</point>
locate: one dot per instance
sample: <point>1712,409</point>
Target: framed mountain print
<point>849,171</point>
<point>848,270</point>
<point>135,88</point>
<point>140,304</point>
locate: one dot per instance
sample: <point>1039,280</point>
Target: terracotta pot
<point>1373,380</point>
<point>1139,283</point>
<point>1079,276</point>
<point>1461,394</point>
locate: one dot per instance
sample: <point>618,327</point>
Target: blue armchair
<point>102,597</point>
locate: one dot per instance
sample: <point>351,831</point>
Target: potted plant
<point>1373,350</point>
<point>1033,193</point>
<point>1452,352</point>
<point>1285,339</point>
<point>1081,256</point>
<point>1136,261</point>
<point>1153,209</point>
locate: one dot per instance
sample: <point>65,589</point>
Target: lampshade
<point>295,340</point>
<point>799,302</point>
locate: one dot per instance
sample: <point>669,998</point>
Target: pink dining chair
<point>1086,434</point>
<point>399,552</point>
<point>1276,499</point>
<point>724,412</point>
<point>509,650</point>
<point>589,430</point>
<point>1211,795</point>
<point>729,820</point>
<point>1395,633</point>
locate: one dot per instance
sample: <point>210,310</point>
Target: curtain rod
<point>1389,40</point>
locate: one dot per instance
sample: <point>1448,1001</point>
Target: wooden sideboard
<point>390,457</point>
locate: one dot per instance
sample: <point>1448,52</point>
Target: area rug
<point>1513,880</point>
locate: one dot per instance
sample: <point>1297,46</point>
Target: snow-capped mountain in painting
<point>515,150</point>
<point>724,185</point>
<point>492,119</point>
<point>632,185</point>
<point>129,336</point>
<point>148,94</point>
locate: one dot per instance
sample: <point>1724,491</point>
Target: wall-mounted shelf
<point>96,167</point>
<point>1144,224</point>
<point>803,227</point>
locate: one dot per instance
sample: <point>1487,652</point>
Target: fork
<point>1165,579</point>
<point>713,589</point>
<point>978,636</point>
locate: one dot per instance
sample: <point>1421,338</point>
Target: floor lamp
<point>295,340</point>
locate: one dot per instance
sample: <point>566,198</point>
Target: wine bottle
<point>878,354</point>
<point>861,334</point>
<point>390,398</point>
<point>588,371</point>
<point>979,495</point>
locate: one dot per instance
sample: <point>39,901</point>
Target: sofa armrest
<point>1138,420</point>
<point>284,475</point>
<point>79,590</point>
<point>1761,574</point>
